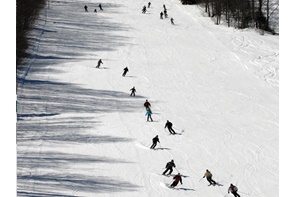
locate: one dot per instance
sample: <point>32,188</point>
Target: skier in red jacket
<point>176,179</point>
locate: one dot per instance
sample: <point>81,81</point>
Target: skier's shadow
<point>162,148</point>
<point>131,76</point>
<point>102,68</point>
<point>185,189</point>
<point>218,184</point>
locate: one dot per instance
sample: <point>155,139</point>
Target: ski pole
<point>200,179</point>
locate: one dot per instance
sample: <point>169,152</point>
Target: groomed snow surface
<point>79,133</point>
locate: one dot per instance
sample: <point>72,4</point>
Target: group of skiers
<point>86,8</point>
<point>170,165</point>
<point>164,13</point>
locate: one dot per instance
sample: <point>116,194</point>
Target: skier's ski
<point>218,184</point>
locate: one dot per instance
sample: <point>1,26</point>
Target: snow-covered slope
<point>79,133</point>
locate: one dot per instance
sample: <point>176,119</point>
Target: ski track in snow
<point>79,133</point>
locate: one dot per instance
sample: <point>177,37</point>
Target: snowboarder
<point>176,179</point>
<point>100,7</point>
<point>161,15</point>
<point>85,7</point>
<point>149,4</point>
<point>233,189</point>
<point>169,126</point>
<point>169,166</point>
<point>172,21</point>
<point>125,71</point>
<point>209,175</point>
<point>155,141</point>
<point>132,91</point>
<point>147,104</point>
<point>149,114</point>
<point>99,63</point>
<point>165,13</point>
<point>144,9</point>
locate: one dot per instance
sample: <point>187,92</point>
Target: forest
<point>27,12</point>
<point>260,14</point>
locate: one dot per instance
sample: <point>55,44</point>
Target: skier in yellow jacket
<point>209,175</point>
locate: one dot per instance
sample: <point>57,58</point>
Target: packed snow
<point>80,133</point>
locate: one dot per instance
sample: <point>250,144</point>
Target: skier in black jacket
<point>155,141</point>
<point>233,189</point>
<point>169,126</point>
<point>169,166</point>
<point>149,4</point>
<point>147,104</point>
<point>100,7</point>
<point>99,63</point>
<point>133,90</point>
<point>125,71</point>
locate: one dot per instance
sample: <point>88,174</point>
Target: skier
<point>98,63</point>
<point>125,71</point>
<point>169,166</point>
<point>132,91</point>
<point>176,179</point>
<point>100,7</point>
<point>149,114</point>
<point>169,126</point>
<point>85,7</point>
<point>233,189</point>
<point>161,15</point>
<point>144,9</point>
<point>208,175</point>
<point>147,104</point>
<point>165,13</point>
<point>164,6</point>
<point>172,21</point>
<point>155,141</point>
<point>149,4</point>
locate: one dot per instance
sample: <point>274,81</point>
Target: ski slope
<point>79,133</point>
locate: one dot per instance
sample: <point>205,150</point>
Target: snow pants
<point>209,179</point>
<point>171,130</point>
<point>174,184</point>
<point>235,194</point>
<point>154,145</point>
<point>170,171</point>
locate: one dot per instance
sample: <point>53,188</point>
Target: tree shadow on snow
<point>53,184</point>
<point>55,114</point>
<point>62,180</point>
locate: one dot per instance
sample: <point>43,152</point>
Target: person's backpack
<point>234,189</point>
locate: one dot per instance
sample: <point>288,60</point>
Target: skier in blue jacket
<point>149,114</point>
